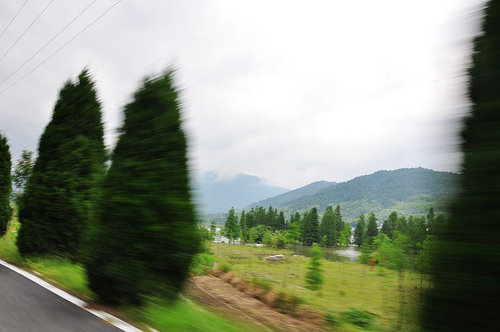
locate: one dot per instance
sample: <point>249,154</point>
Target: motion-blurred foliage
<point>466,264</point>
<point>145,234</point>
<point>5,184</point>
<point>57,205</point>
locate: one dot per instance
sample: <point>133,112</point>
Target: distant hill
<point>215,195</point>
<point>407,191</point>
<point>282,199</point>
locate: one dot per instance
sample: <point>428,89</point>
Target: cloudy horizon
<point>289,91</point>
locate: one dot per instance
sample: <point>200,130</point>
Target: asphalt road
<point>26,306</point>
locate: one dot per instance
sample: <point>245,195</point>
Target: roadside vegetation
<point>156,313</point>
<point>373,291</point>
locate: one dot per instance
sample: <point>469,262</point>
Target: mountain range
<point>408,191</point>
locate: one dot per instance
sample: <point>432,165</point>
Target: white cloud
<point>291,91</point>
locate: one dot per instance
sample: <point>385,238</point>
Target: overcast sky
<point>290,91</point>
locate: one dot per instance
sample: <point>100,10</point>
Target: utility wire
<point>12,20</point>
<point>29,26</point>
<point>47,44</point>
<point>59,49</point>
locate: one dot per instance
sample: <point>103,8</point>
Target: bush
<point>202,262</point>
<point>267,239</point>
<point>281,240</point>
<point>288,303</point>
<point>264,284</point>
<point>226,267</point>
<point>332,319</point>
<point>359,317</point>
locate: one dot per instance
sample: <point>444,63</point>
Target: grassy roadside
<point>183,315</point>
<point>349,288</point>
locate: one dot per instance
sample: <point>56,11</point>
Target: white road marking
<point>124,326</point>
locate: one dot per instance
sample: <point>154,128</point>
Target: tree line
<point>131,222</point>
<point>260,225</point>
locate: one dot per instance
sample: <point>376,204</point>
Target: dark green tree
<point>280,221</point>
<point>5,184</point>
<point>389,225</point>
<point>145,236</point>
<point>466,260</point>
<point>57,206</point>
<point>245,235</point>
<point>327,229</point>
<point>339,223</point>
<point>231,227</point>
<point>310,228</point>
<point>360,230</point>
<point>371,229</point>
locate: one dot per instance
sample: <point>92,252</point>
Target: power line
<point>59,49</point>
<point>12,20</point>
<point>46,44</point>
<point>24,32</point>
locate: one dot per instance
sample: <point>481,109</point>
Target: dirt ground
<point>228,300</point>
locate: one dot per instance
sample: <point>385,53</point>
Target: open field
<point>347,285</point>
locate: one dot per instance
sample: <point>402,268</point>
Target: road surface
<point>25,306</point>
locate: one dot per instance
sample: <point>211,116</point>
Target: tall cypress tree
<point>327,227</point>
<point>371,228</point>
<point>466,264</point>
<point>360,230</point>
<point>146,231</point>
<point>310,227</point>
<point>244,227</point>
<point>231,228</point>
<point>5,184</point>
<point>57,206</point>
<point>339,223</point>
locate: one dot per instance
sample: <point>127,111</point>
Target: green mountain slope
<point>282,199</point>
<point>407,191</point>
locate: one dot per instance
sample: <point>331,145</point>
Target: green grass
<point>183,315</point>
<point>65,273</point>
<point>8,248</point>
<point>346,285</point>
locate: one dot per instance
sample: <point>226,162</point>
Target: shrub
<point>226,267</point>
<point>202,262</point>
<point>314,277</point>
<point>359,317</point>
<point>264,284</point>
<point>267,239</point>
<point>281,240</point>
<point>288,303</point>
<point>332,319</point>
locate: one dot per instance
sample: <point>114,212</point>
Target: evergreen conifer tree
<point>360,230</point>
<point>371,229</point>
<point>244,227</point>
<point>466,260</point>
<point>314,275</point>
<point>146,231</point>
<point>231,228</point>
<point>327,227</point>
<point>339,223</point>
<point>310,228</point>
<point>389,225</point>
<point>57,206</point>
<point>5,184</point>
